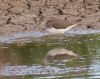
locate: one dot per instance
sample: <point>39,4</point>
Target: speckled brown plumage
<point>58,24</point>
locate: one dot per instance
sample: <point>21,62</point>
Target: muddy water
<point>26,60</point>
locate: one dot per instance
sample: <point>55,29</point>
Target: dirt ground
<point>30,15</point>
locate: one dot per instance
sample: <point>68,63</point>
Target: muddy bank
<point>30,15</point>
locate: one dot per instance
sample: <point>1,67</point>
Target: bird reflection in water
<point>59,55</point>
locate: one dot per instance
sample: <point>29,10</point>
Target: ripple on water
<point>28,35</point>
<point>86,67</point>
<point>82,31</point>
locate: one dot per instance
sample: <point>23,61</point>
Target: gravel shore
<point>30,15</point>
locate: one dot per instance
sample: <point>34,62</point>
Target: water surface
<point>25,60</point>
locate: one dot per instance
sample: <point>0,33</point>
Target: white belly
<point>55,31</point>
<point>60,31</point>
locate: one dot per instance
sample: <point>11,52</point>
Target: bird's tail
<point>68,28</point>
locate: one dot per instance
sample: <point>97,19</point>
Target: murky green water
<point>26,61</point>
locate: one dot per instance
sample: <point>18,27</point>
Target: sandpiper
<point>58,26</point>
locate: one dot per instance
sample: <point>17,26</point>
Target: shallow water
<point>25,60</point>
